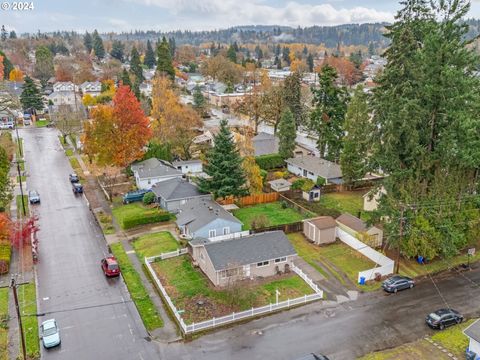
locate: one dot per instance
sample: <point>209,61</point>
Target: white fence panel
<point>235,235</point>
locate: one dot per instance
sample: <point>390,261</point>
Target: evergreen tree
<point>292,92</point>
<point>88,42</point>
<point>164,60</point>
<point>149,59</point>
<point>117,50</point>
<point>3,33</point>
<point>98,48</point>
<point>310,62</point>
<point>30,98</point>
<point>44,69</point>
<point>328,115</point>
<point>125,78</point>
<point>371,49</point>
<point>358,128</point>
<point>287,134</point>
<point>199,102</point>
<point>232,54</point>
<point>173,46</point>
<point>224,166</point>
<point>286,55</point>
<point>7,66</point>
<point>305,50</point>
<point>13,34</point>
<point>135,66</point>
<point>277,50</point>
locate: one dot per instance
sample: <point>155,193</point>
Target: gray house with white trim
<point>173,193</point>
<point>253,256</point>
<point>207,219</point>
<point>152,171</point>
<point>312,167</point>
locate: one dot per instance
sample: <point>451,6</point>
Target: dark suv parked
<point>443,318</point>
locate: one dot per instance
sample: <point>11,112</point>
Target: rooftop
<point>352,222</point>
<point>473,331</point>
<point>154,168</point>
<point>318,166</point>
<point>323,222</point>
<point>264,144</point>
<point>176,188</point>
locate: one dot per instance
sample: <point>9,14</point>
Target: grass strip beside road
<point>19,144</point>
<point>28,304</point>
<point>41,123</point>
<point>75,164</point>
<point>145,306</point>
<point>19,205</point>
<point>4,323</point>
<point>69,152</point>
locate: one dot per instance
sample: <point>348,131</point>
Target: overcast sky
<point>126,15</point>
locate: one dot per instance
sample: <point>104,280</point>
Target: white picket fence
<point>168,255</point>
<point>233,317</point>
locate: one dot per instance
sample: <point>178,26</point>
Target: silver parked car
<point>33,197</point>
<point>50,334</point>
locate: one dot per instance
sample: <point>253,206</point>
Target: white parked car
<point>50,334</point>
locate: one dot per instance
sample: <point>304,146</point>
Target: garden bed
<point>273,213</point>
<point>194,295</point>
<point>154,244</point>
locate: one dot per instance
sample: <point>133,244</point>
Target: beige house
<point>371,199</point>
<point>253,256</point>
<point>372,236</point>
<point>320,230</point>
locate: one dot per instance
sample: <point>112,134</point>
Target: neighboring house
<point>371,199</point>
<point>173,193</point>
<point>372,236</point>
<point>65,98</point>
<point>207,138</point>
<point>152,171</point>
<point>93,88</point>
<point>188,166</point>
<point>473,334</point>
<point>259,255</point>
<point>312,168</point>
<point>320,230</point>
<point>280,185</point>
<point>146,89</point>
<point>205,218</point>
<point>265,144</point>
<point>62,86</point>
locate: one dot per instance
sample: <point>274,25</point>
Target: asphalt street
<point>95,314</point>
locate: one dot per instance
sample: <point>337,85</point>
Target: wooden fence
<point>251,199</point>
<point>286,228</point>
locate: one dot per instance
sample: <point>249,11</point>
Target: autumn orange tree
<point>16,75</point>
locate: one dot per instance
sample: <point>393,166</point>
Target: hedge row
<point>5,253</point>
<point>145,218</point>
<point>270,161</point>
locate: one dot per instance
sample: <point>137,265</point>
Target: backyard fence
<point>235,235</point>
<point>168,255</point>
<point>286,228</point>
<point>251,199</point>
<point>302,210</point>
<point>233,317</point>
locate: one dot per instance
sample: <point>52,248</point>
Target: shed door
<point>246,270</point>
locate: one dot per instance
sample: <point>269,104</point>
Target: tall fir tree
<point>88,42</point>
<point>149,59</point>
<point>199,102</point>
<point>356,143</point>
<point>164,60</point>
<point>44,68</point>
<point>98,48</point>
<point>328,115</point>
<point>310,62</point>
<point>135,65</point>
<point>30,98</point>
<point>232,54</point>
<point>292,91</point>
<point>173,46</point>
<point>224,166</point>
<point>287,133</point>
<point>117,51</point>
<point>3,33</point>
<point>13,34</point>
<point>125,78</point>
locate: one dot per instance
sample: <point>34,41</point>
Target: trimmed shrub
<point>149,198</point>
<point>145,218</point>
<point>5,252</point>
<point>320,181</point>
<point>264,175</point>
<point>270,161</point>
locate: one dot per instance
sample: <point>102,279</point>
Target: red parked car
<point>110,266</point>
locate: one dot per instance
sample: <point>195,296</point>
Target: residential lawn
<point>346,201</point>
<point>187,286</point>
<point>146,308</point>
<point>73,139</point>
<point>23,178</point>
<point>62,141</point>
<point>69,152</point>
<point>420,349</point>
<point>41,123</point>
<point>19,143</point>
<point>274,212</point>
<point>28,305</point>
<point>4,323</point>
<point>22,165</point>
<point>453,338</point>
<point>344,260</point>
<point>75,164</point>
<point>106,223</point>
<point>19,205</point>
<point>134,210</point>
<point>155,244</point>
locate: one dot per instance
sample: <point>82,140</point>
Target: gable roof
<point>320,167</point>
<point>200,212</point>
<point>352,222</point>
<point>249,249</point>
<point>153,167</point>
<point>473,331</point>
<point>264,144</point>
<point>323,222</point>
<point>186,162</point>
<point>176,188</point>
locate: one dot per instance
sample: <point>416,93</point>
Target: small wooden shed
<point>320,230</point>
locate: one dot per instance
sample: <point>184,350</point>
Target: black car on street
<point>443,318</point>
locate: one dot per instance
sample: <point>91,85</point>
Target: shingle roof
<point>185,162</point>
<point>280,183</point>
<point>352,222</point>
<point>153,167</point>
<point>264,144</point>
<point>320,167</point>
<point>323,222</point>
<point>473,331</point>
<point>176,188</point>
<point>249,249</point>
<point>200,212</point>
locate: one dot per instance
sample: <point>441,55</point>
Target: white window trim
<point>264,263</point>
<point>280,260</point>
<point>227,228</point>
<point>210,232</point>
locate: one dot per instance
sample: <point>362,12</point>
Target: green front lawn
<point>106,223</point>
<point>20,207</point>
<point>41,123</point>
<point>453,338</point>
<point>187,286</point>
<point>4,323</point>
<point>136,214</point>
<point>274,212</point>
<point>146,308</point>
<point>346,201</point>
<point>344,259</point>
<point>28,305</point>
<point>155,244</point>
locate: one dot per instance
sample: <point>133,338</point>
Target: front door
<point>246,270</point>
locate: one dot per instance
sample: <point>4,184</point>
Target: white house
<point>312,167</point>
<point>371,199</point>
<point>64,86</point>
<point>93,88</point>
<point>152,171</point>
<point>473,334</point>
<point>65,98</point>
<point>188,166</point>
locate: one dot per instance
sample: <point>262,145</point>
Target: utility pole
<point>400,239</point>
<point>13,285</point>
<point>24,211</point>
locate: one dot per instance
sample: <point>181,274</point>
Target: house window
<point>316,195</point>
<point>305,173</point>
<point>310,173</point>
<point>229,273</point>
<point>263,263</point>
<point>212,233</point>
<point>282,259</point>
<point>226,230</point>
